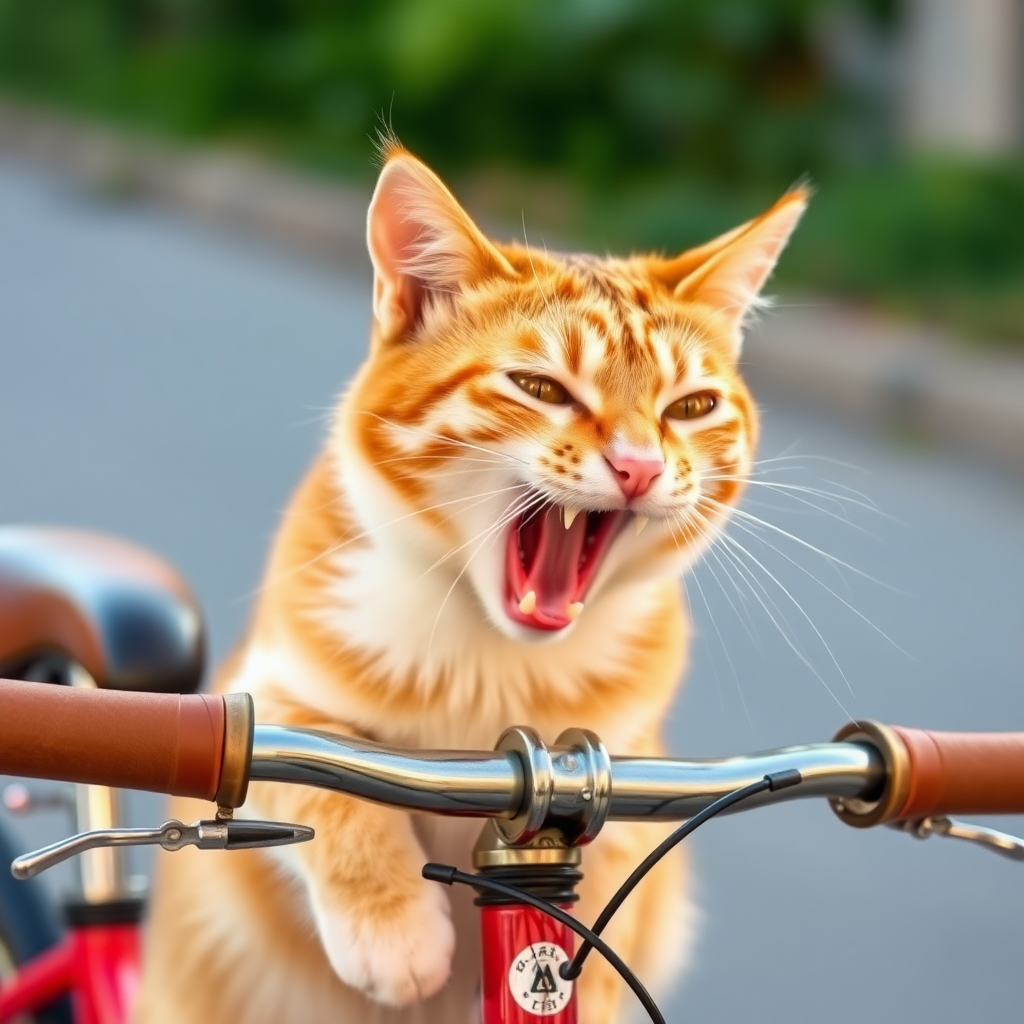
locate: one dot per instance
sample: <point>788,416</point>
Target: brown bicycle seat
<point>117,610</point>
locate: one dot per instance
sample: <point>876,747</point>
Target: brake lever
<point>213,834</point>
<point>998,842</point>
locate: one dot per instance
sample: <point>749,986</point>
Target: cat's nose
<point>635,476</point>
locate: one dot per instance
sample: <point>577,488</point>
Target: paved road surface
<point>169,382</point>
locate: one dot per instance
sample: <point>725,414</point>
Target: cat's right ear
<point>420,240</point>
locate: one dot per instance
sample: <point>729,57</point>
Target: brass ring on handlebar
<point>865,813</point>
<point>239,718</point>
<point>587,802</point>
<point>538,783</point>
<point>567,789</point>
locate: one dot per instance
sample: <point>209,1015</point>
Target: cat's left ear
<point>728,273</point>
<point>420,240</point>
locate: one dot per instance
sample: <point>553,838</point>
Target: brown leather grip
<point>963,773</point>
<point>163,742</point>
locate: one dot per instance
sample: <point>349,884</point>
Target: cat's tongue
<point>543,573</point>
<point>553,575</point>
<point>549,568</point>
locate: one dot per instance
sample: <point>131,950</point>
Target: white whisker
<point>756,586</point>
<point>529,256</point>
<point>488,534</point>
<point>345,541</point>
<point>796,604</point>
<point>795,494</point>
<point>860,615</point>
<point>710,549</point>
<point>817,492</point>
<point>718,632</point>
<point>441,458</point>
<point>741,514</point>
<point>523,502</point>
<point>813,458</point>
<point>441,437</point>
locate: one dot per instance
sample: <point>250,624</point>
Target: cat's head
<point>545,429</point>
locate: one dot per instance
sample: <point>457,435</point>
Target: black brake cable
<point>777,780</point>
<point>448,875</point>
<point>570,969</point>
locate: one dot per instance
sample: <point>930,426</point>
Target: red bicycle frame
<point>98,964</point>
<point>522,949</point>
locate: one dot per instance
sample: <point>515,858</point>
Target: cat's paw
<point>398,955</point>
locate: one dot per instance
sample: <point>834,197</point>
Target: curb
<point>323,219</point>
<point>909,379</point>
<point>847,361</point>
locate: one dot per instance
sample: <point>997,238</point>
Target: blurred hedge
<point>939,240</point>
<point>662,120</point>
<point>599,88</point>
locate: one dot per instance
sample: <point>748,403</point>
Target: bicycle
<point>84,610</point>
<point>544,805</point>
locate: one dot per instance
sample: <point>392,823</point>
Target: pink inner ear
<point>420,238</point>
<point>392,237</point>
<point>400,305</point>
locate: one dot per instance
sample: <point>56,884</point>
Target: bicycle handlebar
<point>180,744</point>
<point>207,746</point>
<point>469,783</point>
<point>938,773</point>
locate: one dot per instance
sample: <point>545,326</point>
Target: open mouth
<point>552,556</point>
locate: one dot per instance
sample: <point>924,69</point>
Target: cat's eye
<point>692,406</point>
<point>544,389</point>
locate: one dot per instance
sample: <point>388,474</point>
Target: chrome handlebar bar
<point>524,787</point>
<point>574,785</point>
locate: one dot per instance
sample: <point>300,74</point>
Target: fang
<point>641,522</point>
<point>569,514</point>
<point>529,603</point>
<point>573,610</point>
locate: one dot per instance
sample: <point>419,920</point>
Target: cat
<point>493,534</point>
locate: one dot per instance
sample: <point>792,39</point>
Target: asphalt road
<point>169,382</point>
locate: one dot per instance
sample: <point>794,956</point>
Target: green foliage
<point>928,225</point>
<point>663,121</point>
<point>731,89</point>
<point>940,240</point>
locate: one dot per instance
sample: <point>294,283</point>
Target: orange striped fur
<point>383,612</point>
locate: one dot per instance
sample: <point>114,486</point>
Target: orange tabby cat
<point>535,449</point>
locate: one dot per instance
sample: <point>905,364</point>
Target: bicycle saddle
<point>119,611</point>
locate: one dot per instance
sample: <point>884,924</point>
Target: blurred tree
<point>665,120</point>
<point>736,90</point>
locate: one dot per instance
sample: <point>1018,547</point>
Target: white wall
<point>962,75</point>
